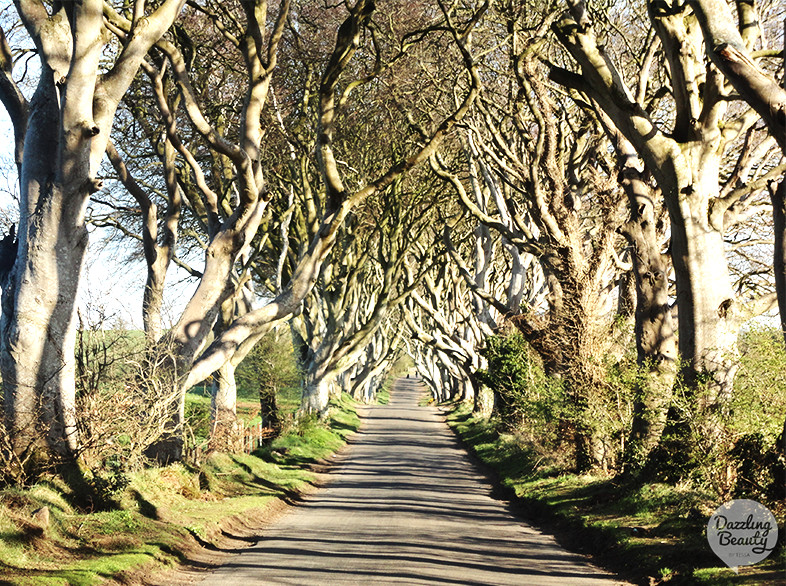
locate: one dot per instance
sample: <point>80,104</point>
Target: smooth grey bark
<point>686,166</point>
<point>226,428</point>
<point>317,391</point>
<point>434,317</point>
<point>13,100</point>
<point>729,51</point>
<point>729,48</point>
<point>225,425</point>
<point>339,200</point>
<point>656,339</point>
<point>426,368</point>
<point>67,131</point>
<point>39,331</point>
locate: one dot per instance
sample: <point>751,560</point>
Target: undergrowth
<point>652,533</point>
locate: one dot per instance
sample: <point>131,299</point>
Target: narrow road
<point>405,506</point>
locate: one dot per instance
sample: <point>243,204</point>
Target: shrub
<point>525,397</point>
<point>270,365</point>
<point>740,458</point>
<point>759,402</point>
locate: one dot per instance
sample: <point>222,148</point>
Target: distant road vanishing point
<point>404,505</point>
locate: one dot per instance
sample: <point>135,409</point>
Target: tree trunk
<point>152,304</point>
<point>316,394</point>
<point>728,47</point>
<point>269,407</point>
<point>70,119</point>
<point>727,50</point>
<point>778,198</point>
<point>686,165</point>
<point>39,327</point>
<point>467,389</point>
<point>364,383</point>
<point>656,341</point>
<point>708,332</point>
<point>226,427</point>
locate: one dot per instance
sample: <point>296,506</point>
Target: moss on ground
<point>651,533</point>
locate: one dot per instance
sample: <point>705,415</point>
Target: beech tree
<point>368,375</point>
<point>554,198</point>
<point>730,49</point>
<point>158,232</point>
<point>233,199</point>
<point>475,284</point>
<point>339,198</point>
<point>360,286</point>
<point>655,332</point>
<point>686,155</point>
<point>438,319</point>
<point>61,137</point>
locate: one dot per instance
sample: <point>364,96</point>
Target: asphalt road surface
<point>404,505</point>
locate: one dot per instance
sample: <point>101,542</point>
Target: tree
<point>66,128</point>
<point>439,318</point>
<point>159,235</point>
<point>380,356</point>
<point>232,200</point>
<point>455,308</point>
<point>686,156</point>
<point>656,340</point>
<point>729,49</point>
<point>553,196</point>
<point>361,286</point>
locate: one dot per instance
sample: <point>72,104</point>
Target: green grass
<point>651,533</point>
<point>311,440</point>
<point>164,511</point>
<point>383,395</point>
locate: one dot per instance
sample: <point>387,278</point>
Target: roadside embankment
<point>652,533</point>
<point>186,515</point>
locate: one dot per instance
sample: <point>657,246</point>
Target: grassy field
<point>650,533</point>
<point>167,515</point>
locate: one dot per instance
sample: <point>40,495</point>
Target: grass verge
<point>650,533</point>
<point>166,516</point>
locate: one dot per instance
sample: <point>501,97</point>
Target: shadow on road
<point>405,506</point>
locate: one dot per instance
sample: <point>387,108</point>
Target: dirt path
<point>405,506</point>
